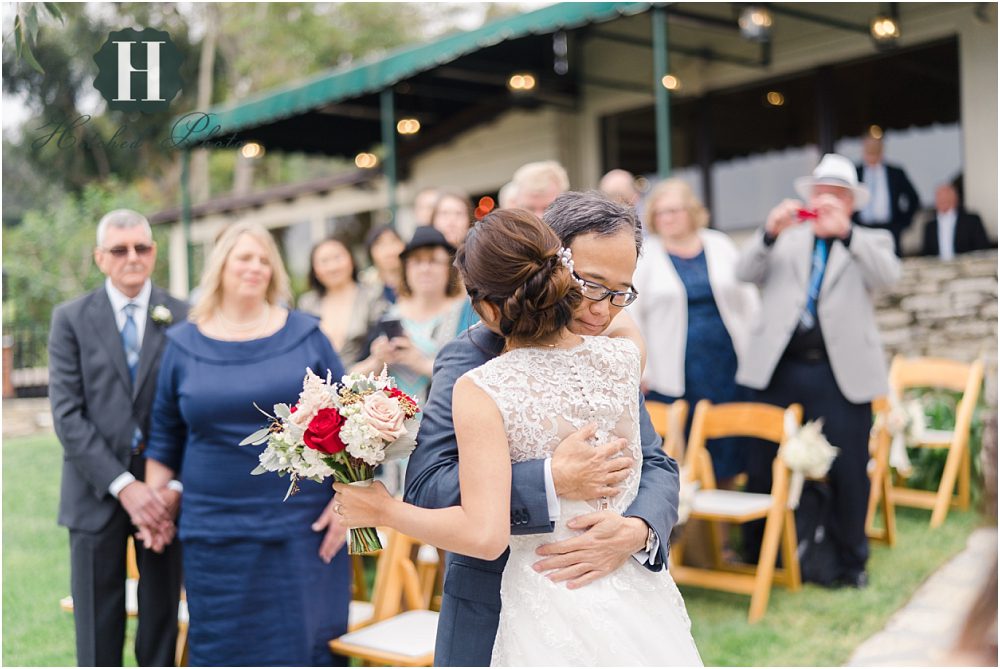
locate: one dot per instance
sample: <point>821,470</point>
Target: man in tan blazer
<point>816,340</point>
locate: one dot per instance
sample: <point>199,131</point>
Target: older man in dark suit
<point>104,356</point>
<point>953,230</point>
<point>893,200</point>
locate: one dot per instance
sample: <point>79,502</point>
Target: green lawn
<point>812,627</point>
<point>36,632</point>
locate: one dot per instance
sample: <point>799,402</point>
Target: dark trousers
<point>846,426</point>
<point>97,583</point>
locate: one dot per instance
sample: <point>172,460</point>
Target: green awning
<point>240,119</point>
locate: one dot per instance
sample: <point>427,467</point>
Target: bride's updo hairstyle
<point>511,260</point>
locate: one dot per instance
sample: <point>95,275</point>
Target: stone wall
<point>944,309</point>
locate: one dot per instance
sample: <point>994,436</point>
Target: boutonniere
<point>161,315</point>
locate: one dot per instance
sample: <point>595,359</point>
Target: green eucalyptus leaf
<point>257,438</point>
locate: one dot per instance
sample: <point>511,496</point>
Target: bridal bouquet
<point>344,430</point>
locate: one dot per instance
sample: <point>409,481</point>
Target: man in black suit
<point>952,230</point>
<point>104,356</point>
<point>893,200</point>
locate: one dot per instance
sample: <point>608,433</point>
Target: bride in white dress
<point>547,384</point>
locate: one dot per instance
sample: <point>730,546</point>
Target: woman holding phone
<point>426,316</point>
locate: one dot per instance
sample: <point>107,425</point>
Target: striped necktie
<point>807,320</point>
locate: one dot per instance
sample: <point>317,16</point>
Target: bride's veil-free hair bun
<point>511,260</point>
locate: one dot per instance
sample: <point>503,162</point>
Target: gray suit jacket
<point>95,407</point>
<point>846,315</point>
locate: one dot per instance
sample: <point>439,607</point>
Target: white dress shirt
<point>946,222</point>
<point>877,180</point>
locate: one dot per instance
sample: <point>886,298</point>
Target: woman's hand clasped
<point>362,507</point>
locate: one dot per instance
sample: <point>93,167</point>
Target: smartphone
<point>392,328</point>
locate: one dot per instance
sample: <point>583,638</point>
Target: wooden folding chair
<point>952,375</point>
<point>430,569</point>
<point>762,421</point>
<point>401,631</point>
<point>132,603</point>
<point>669,421</point>
<point>881,494</point>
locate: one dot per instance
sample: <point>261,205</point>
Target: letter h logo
<point>138,70</point>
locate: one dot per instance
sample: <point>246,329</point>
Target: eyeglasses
<point>597,292</point>
<point>122,251</point>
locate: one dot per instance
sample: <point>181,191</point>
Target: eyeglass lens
<point>122,251</point>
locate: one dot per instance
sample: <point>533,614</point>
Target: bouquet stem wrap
<point>363,540</point>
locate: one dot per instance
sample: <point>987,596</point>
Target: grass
<point>36,632</point>
<point>818,626</point>
<point>814,627</point>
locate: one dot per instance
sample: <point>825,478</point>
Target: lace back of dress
<point>544,395</point>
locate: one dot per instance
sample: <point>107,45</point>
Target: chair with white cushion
<point>401,631</point>
<point>715,506</point>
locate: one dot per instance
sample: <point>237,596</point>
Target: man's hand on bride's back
<point>582,471</point>
<point>607,542</point>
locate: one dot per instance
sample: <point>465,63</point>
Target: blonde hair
<point>535,177</point>
<point>210,286</point>
<point>697,211</point>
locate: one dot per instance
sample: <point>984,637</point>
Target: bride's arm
<point>624,326</point>
<point>480,527</point>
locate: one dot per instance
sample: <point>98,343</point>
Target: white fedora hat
<point>834,170</point>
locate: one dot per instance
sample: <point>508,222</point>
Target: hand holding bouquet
<point>341,430</point>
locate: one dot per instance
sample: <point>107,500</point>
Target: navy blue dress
<point>258,593</point>
<point>709,361</point>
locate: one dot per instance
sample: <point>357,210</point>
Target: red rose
<point>323,433</point>
<point>293,409</point>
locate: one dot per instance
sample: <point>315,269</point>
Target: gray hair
<point>535,177</point>
<point>121,218</point>
<point>574,213</point>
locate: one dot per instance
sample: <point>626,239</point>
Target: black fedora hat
<point>426,236</point>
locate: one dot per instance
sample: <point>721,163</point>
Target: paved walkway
<point>924,631</point>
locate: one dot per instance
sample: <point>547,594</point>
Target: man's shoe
<point>857,579</point>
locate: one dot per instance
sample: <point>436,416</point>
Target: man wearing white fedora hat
<point>816,343</point>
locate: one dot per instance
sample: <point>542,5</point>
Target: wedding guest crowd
<point>267,580</point>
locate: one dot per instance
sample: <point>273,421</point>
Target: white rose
<point>385,416</point>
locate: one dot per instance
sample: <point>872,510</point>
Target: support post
<point>186,214</point>
<point>388,114</point>
<point>662,95</point>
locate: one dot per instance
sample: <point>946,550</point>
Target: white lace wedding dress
<point>633,616</point>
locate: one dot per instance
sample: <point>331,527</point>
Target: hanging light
<point>875,131</point>
<point>885,31</point>
<point>755,23</point>
<point>670,82</point>
<point>366,161</point>
<point>521,82</point>
<point>775,99</point>
<point>408,126</point>
<point>252,150</point>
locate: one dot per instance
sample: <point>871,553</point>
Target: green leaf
<point>282,410</point>
<point>53,10</point>
<point>31,22</point>
<point>257,438</point>
<point>258,470</point>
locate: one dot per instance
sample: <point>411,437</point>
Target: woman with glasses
<point>695,314</point>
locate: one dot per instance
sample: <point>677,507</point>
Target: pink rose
<point>385,415</point>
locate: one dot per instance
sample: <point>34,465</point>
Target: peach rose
<point>385,416</point>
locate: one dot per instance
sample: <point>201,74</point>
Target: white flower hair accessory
<point>566,258</point>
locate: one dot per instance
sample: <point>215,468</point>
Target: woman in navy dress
<point>694,314</point>
<point>266,581</point>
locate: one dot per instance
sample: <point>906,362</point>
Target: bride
<point>547,384</point>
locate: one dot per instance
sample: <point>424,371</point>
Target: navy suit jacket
<point>470,608</point>
<point>903,201</point>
